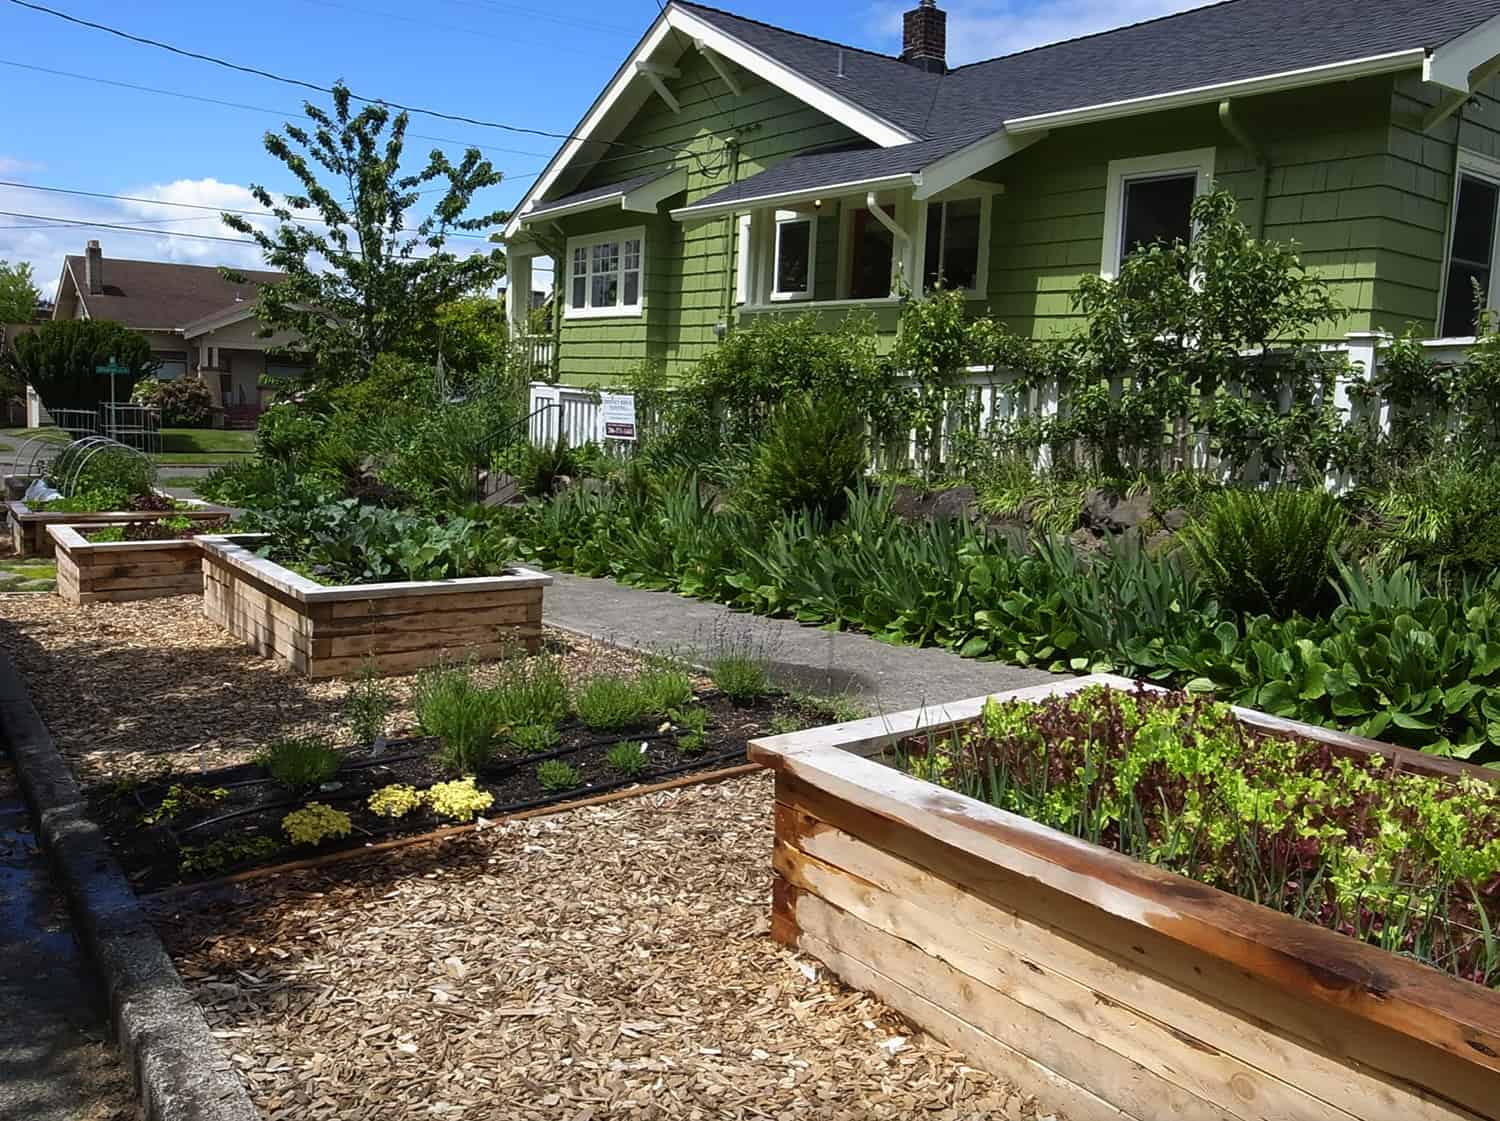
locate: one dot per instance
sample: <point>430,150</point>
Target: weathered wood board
<point>121,571</point>
<point>324,631</point>
<point>28,527</point>
<point>1104,986</point>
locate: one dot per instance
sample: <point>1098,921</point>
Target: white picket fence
<point>993,399</point>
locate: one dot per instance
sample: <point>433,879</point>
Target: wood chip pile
<point>611,962</point>
<point>130,689</point>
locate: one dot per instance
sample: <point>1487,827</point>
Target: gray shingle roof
<point>1223,42</point>
<point>164,294</point>
<point>596,194</point>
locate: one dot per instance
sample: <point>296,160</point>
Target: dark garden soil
<point>159,531</point>
<point>228,820</point>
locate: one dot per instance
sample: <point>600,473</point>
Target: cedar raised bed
<point>28,527</point>
<point>122,571</point>
<point>327,631</point>
<point>1107,987</point>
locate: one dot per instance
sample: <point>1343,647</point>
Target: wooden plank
<point>1323,1011</point>
<point>1237,1064</point>
<point>1055,1093</point>
<point>415,604</point>
<point>420,659</point>
<point>180,583</point>
<point>455,638</point>
<point>439,620</point>
<point>242,594</point>
<point>130,595</point>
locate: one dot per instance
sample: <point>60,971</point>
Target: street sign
<point>112,369</point>
<point>618,411</point>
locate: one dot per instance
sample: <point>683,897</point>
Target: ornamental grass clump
<point>533,739</point>
<point>369,704</point>
<point>465,715</point>
<point>1405,861</point>
<point>530,690</point>
<point>664,684</point>
<point>300,762</point>
<point>628,758</point>
<point>556,776</point>
<point>609,701</point>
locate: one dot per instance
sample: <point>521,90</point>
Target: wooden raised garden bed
<point>327,631</point>
<point>1105,986</point>
<point>28,527</point>
<point>121,571</point>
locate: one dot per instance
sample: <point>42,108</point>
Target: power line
<point>184,205</point>
<point>256,71</point>
<point>283,113</point>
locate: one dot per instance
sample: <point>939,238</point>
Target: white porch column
<point>518,294</point>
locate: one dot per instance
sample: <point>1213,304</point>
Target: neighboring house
<point>198,323</point>
<point>732,170</point>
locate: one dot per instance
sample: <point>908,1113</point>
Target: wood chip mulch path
<point>132,689</point>
<point>609,962</point>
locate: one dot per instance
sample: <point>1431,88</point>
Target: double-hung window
<point>796,256</point>
<point>951,256</point>
<point>1470,263</point>
<point>1149,201</point>
<point>604,274</point>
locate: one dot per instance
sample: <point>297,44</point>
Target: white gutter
<point>1195,95</point>
<point>850,187</point>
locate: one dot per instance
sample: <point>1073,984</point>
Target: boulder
<point>1114,513</point>
<point>955,502</point>
<point>1175,519</point>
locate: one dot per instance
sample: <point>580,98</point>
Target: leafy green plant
<point>532,739</point>
<point>740,677</point>
<point>608,701</point>
<point>395,801</point>
<point>556,776</point>
<point>691,725</point>
<point>812,455</point>
<point>299,762</point>
<point>459,800</point>
<point>107,535</point>
<point>369,704</point>
<point>314,823</point>
<point>784,723</point>
<point>664,684</point>
<point>628,758</point>
<point>451,705</point>
<point>223,854</point>
<point>1268,553</point>
<point>181,798</point>
<point>540,468</point>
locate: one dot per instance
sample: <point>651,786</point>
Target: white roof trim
<point>807,194</point>
<point>873,128</point>
<point>1269,83</point>
<point>971,160</point>
<point>644,199</point>
<point>1454,62</point>
<point>234,313</point>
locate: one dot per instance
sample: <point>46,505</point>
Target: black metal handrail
<point>486,446</point>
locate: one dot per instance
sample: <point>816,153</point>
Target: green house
<point>732,170</point>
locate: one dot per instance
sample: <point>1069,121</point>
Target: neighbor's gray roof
<point>164,294</point>
<point>598,194</point>
<point>1224,42</point>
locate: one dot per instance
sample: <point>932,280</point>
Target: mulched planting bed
<point>197,824</point>
<point>610,962</point>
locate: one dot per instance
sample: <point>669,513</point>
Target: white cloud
<point>45,243</point>
<point>980,29</point>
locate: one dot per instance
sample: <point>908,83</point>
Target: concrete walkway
<point>884,678</point>
<point>56,1060</point>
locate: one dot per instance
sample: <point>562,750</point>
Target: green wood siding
<point>689,269</point>
<point>1330,190</point>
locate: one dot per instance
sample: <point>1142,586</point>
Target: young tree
<point>18,293</point>
<point>58,360</point>
<point>362,280</point>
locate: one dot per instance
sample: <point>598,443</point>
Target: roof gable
<point>161,295</point>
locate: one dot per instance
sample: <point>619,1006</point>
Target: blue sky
<point>527,62</point>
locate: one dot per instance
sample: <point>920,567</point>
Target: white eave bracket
<point>970,161</point>
<point>722,67</point>
<point>645,200</point>
<point>1453,101</point>
<point>654,72</point>
<point>1461,65</point>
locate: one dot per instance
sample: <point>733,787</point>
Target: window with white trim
<point>1150,200</point>
<point>1473,241</point>
<point>796,256</point>
<point>172,365</point>
<point>605,274</point>
<point>954,242</point>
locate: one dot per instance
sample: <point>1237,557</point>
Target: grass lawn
<point>214,441</point>
<point>27,576</point>
<point>188,481</point>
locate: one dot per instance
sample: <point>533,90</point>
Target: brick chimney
<point>93,268</point>
<point>924,37</point>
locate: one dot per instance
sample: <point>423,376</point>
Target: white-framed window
<point>172,365</point>
<point>605,274</point>
<point>796,258</point>
<point>1473,253</point>
<point>955,243</point>
<point>1150,200</point>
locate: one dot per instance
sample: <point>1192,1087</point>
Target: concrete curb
<point>180,1070</point>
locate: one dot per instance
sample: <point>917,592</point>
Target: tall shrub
<point>58,359</point>
<point>813,454</point>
